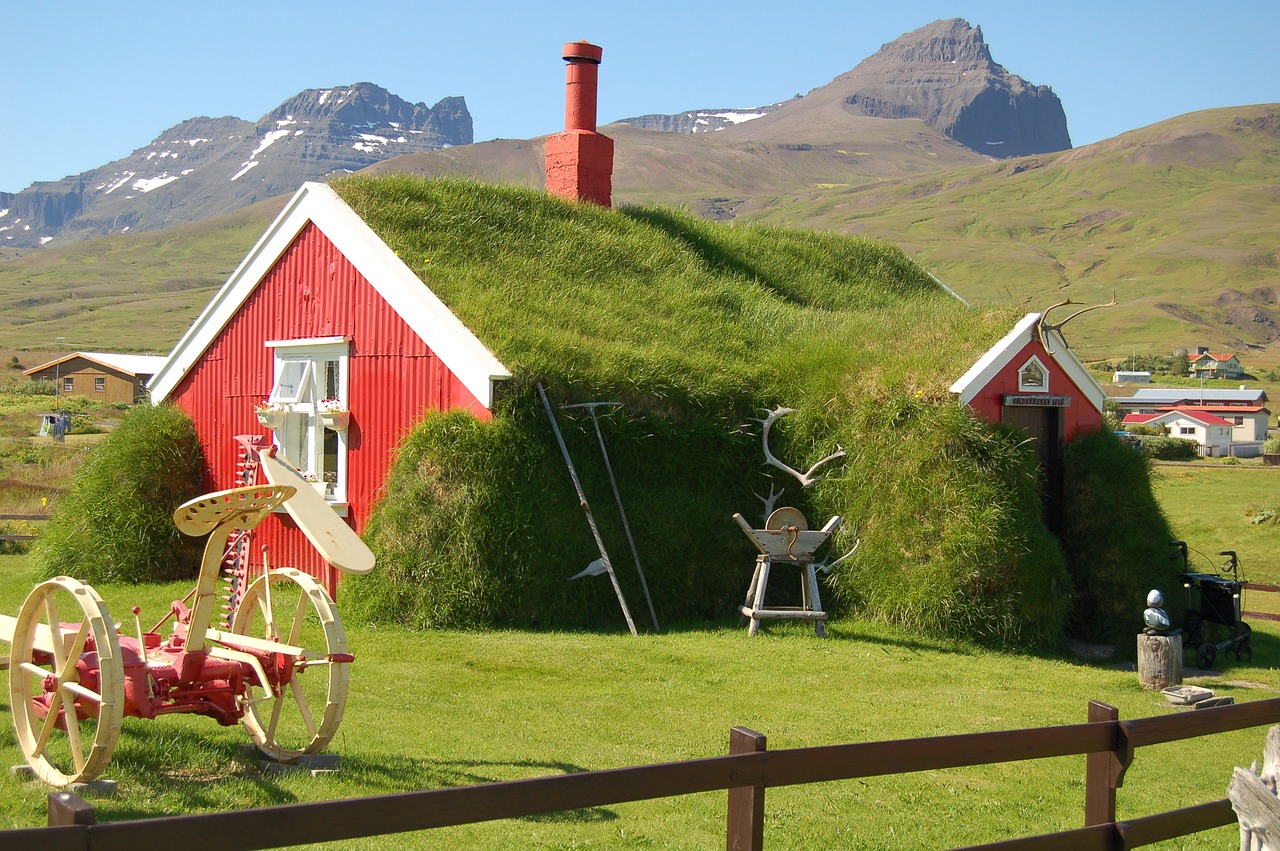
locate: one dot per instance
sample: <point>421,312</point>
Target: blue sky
<point>89,82</point>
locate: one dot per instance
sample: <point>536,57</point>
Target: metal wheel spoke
<point>51,614</point>
<point>77,647</point>
<point>295,631</point>
<point>73,729</point>
<point>303,709</point>
<point>80,691</point>
<point>46,730</point>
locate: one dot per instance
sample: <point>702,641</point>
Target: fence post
<point>66,809</point>
<point>1104,770</point>
<point>746,803</point>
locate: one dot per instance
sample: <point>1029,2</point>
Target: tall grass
<point>116,522</point>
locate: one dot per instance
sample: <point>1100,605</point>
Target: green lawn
<point>440,708</point>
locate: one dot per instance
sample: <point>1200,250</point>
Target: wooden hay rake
<point>280,669</point>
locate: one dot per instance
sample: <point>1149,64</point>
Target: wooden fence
<point>746,772</point>
<point>28,517</point>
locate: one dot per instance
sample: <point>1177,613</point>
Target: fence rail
<point>27,517</point>
<point>746,772</point>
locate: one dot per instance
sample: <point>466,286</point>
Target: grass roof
<point>659,306</point>
<point>697,327</point>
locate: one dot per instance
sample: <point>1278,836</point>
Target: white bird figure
<point>596,568</point>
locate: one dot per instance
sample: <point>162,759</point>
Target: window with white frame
<point>310,383</point>
<point>1033,377</point>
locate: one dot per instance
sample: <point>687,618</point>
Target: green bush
<point>1115,538</point>
<point>116,522</point>
<point>1171,448</point>
<point>947,508</point>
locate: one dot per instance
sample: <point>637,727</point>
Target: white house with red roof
<point>1211,432</point>
<point>1206,364</point>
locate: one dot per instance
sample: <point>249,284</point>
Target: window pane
<point>331,385</point>
<point>292,382</point>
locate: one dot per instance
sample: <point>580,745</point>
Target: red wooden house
<point>322,315</point>
<point>1031,379</point>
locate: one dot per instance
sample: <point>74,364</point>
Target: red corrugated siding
<point>313,291</point>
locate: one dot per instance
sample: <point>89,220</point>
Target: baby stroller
<point>1213,606</point>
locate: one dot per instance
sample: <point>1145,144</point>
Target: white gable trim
<point>458,349</point>
<point>999,356</point>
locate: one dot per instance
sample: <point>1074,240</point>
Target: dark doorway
<point>1043,423</point>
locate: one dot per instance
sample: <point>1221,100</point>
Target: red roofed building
<point>1211,432</point>
<point>1032,380</point>
<point>1205,364</point>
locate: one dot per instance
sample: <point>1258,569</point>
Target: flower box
<point>335,420</point>
<point>271,418</point>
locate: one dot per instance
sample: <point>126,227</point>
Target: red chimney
<point>580,160</point>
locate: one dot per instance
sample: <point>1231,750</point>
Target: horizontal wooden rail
<point>28,517</point>
<point>1133,833</point>
<point>1261,616</point>
<point>329,821</point>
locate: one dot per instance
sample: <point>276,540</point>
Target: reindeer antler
<point>1057,329</point>
<point>807,478</point>
<point>771,500</point>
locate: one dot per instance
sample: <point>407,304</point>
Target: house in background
<point>1031,380</point>
<point>1204,364</point>
<point>1210,432</point>
<point>101,376</point>
<point>1149,400</point>
<point>1128,376</point>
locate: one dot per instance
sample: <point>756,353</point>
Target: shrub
<point>1171,448</point>
<point>116,522</point>
<point>953,543</point>
<point>1115,538</point>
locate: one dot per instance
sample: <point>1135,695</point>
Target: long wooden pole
<point>586,509</point>
<point>617,496</point>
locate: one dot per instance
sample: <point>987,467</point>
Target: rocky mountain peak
<point>208,166</point>
<point>952,40</point>
<point>943,74</point>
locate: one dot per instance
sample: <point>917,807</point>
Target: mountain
<point>699,120</point>
<point>209,166</point>
<point>941,74</point>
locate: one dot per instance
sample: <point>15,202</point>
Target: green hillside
<point>1179,220</point>
<point>698,328</point>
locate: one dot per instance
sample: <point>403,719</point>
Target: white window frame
<point>302,434</point>
<point>1023,387</point>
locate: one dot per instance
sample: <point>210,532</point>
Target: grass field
<point>441,708</point>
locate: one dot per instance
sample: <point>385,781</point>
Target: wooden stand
<point>811,603</point>
<point>1159,660</point>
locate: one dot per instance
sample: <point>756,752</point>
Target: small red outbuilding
<point>1033,381</point>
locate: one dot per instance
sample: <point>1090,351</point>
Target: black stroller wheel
<point>1205,656</point>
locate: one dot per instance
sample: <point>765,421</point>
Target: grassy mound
<point>116,522</point>
<point>697,329</point>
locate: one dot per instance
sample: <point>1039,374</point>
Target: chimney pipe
<point>580,160</point>
<point>580,81</point>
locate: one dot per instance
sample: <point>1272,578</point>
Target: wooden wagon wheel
<point>304,712</point>
<point>66,682</point>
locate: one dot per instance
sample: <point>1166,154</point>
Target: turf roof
<point>656,305</point>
